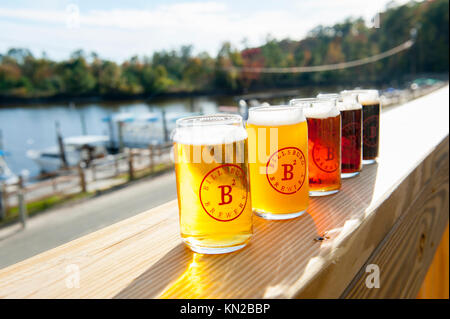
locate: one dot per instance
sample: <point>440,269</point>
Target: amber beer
<point>351,113</point>
<point>324,144</point>
<point>212,178</point>
<point>278,157</point>
<point>370,102</point>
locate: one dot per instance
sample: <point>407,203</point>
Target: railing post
<point>152,161</point>
<point>54,185</point>
<point>116,164</point>
<point>82,176</point>
<point>22,203</point>
<point>120,131</point>
<point>2,206</point>
<point>159,151</point>
<point>5,199</point>
<point>130,164</point>
<point>94,171</point>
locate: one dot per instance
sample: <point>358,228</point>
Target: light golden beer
<point>213,183</point>
<point>278,158</point>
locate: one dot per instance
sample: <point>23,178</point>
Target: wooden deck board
<point>143,257</point>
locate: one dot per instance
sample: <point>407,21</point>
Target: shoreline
<point>6,101</point>
<point>63,98</point>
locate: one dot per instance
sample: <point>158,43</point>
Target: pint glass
<point>351,113</point>
<point>324,147</point>
<point>302,102</point>
<point>371,108</point>
<point>278,160</point>
<point>211,168</point>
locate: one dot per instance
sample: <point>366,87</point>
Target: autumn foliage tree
<point>27,76</point>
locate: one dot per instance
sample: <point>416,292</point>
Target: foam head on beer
<point>211,138</point>
<point>278,150</point>
<point>212,183</point>
<point>364,96</point>
<point>209,130</point>
<point>303,102</point>
<point>369,97</point>
<point>348,101</point>
<point>322,109</point>
<point>275,115</point>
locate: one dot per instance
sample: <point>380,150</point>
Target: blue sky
<point>118,30</point>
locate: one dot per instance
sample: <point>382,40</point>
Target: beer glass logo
<point>371,131</point>
<point>324,156</point>
<point>286,170</point>
<point>349,142</point>
<point>223,192</point>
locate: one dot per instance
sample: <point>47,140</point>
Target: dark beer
<point>371,130</point>
<point>371,108</point>
<point>351,113</point>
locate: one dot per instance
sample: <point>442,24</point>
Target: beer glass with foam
<point>278,158</point>
<point>351,114</point>
<point>324,143</point>
<point>211,168</point>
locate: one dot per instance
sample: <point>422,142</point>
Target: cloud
<point>121,33</point>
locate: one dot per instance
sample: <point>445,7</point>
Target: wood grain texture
<point>436,283</point>
<point>405,254</point>
<point>143,257</point>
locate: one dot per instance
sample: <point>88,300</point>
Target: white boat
<point>141,129</point>
<point>77,148</point>
<point>6,175</point>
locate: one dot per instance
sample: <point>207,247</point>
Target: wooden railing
<point>101,174</point>
<point>387,222</point>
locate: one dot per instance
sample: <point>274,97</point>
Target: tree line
<point>23,75</point>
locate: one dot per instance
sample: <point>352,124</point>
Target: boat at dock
<point>139,130</point>
<point>76,149</point>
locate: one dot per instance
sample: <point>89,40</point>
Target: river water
<point>33,126</point>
